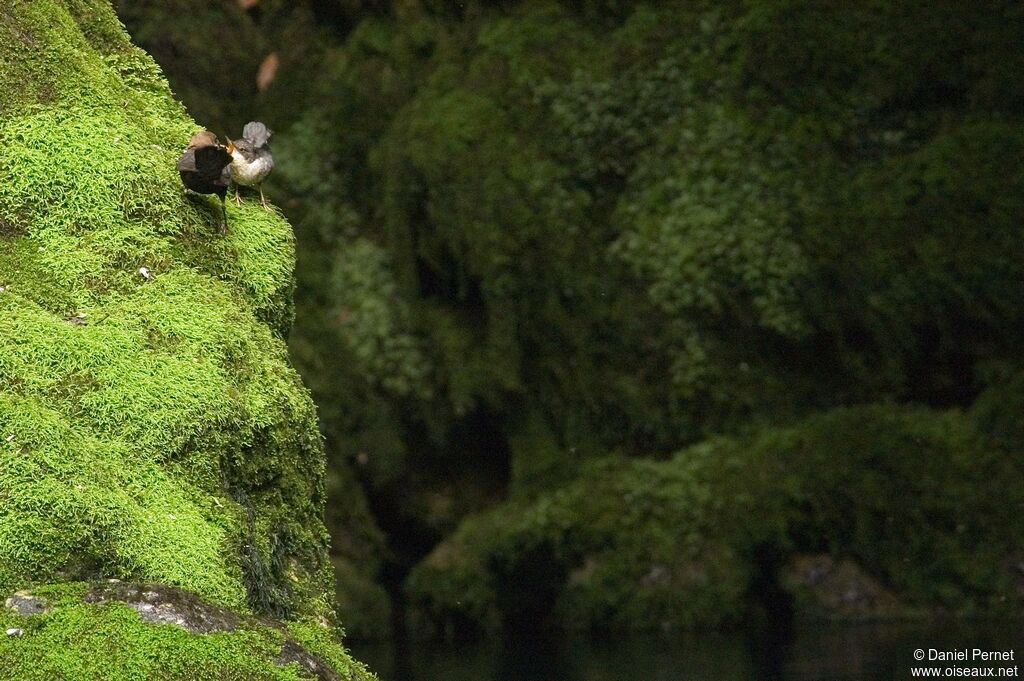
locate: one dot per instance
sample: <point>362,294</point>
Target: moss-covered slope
<point>151,427</point>
<point>114,630</point>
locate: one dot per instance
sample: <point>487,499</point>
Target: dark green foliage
<point>633,232</point>
<point>911,495</point>
<point>997,411</point>
<point>538,234</point>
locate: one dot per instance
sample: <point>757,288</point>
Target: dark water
<point>868,652</point>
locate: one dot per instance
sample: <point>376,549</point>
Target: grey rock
<point>166,605</point>
<point>158,604</point>
<point>292,653</point>
<point>25,603</point>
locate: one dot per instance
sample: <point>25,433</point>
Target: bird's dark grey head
<point>244,147</point>
<point>257,133</point>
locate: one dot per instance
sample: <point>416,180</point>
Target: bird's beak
<point>231,147</point>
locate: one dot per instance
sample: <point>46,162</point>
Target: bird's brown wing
<point>187,162</point>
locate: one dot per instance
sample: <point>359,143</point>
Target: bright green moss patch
<point>177,379</point>
<point>100,197</point>
<point>77,506</point>
<point>110,641</point>
<point>320,642</point>
<point>152,427</point>
<point>50,58</point>
<point>90,175</point>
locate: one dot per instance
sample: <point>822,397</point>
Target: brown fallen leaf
<point>267,71</point>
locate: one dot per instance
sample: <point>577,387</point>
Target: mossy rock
<point>907,507</point>
<point>152,426</point>
<point>116,630</point>
<point>826,589</point>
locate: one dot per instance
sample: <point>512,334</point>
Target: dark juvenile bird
<point>252,160</point>
<point>205,168</point>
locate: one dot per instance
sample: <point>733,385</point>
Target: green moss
<point>153,428</point>
<point>320,642</point>
<point>913,496</point>
<point>80,506</point>
<point>998,409</point>
<point>99,197</point>
<point>175,375</point>
<point>109,641</point>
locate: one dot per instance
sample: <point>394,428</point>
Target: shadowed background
<point>645,316</point>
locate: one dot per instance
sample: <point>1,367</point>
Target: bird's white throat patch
<point>250,173</point>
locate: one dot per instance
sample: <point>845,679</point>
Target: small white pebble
<point>2,289</point>
<point>145,273</point>
<point>15,632</point>
<point>9,438</point>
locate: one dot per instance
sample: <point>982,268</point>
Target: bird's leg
<point>224,216</point>
<point>238,195</point>
<point>263,199</point>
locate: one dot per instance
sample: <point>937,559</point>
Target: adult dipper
<point>205,169</point>
<point>251,158</point>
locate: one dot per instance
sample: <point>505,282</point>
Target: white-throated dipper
<point>251,158</point>
<point>205,169</point>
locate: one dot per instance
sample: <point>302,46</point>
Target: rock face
<point>151,427</point>
<point>24,603</point>
<point>166,605</point>
<point>829,589</point>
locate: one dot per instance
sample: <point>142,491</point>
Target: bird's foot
<point>263,201</point>
<point>238,199</point>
